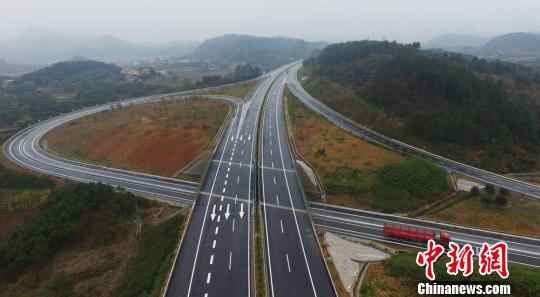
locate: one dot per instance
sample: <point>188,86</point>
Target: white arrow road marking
<point>208,277</point>
<point>281,223</point>
<point>288,262</point>
<point>217,230</point>
<point>241,210</point>
<point>230,260</point>
<point>214,244</point>
<point>233,223</point>
<point>211,259</point>
<point>227,213</point>
<point>213,215</point>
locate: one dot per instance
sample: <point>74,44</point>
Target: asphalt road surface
<point>341,121</point>
<point>295,266</point>
<point>215,255</point>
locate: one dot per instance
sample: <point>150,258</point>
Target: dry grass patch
<point>520,216</point>
<point>239,90</point>
<point>331,150</point>
<point>158,138</point>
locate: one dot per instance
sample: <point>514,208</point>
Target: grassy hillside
<point>159,138</point>
<point>463,107</point>
<point>360,174</point>
<point>90,240</point>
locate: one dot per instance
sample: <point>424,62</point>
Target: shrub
<point>475,191</point>
<point>408,184</point>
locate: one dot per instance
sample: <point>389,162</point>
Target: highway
<point>295,266</point>
<point>25,149</point>
<point>368,225</point>
<point>361,131</point>
<point>215,256</point>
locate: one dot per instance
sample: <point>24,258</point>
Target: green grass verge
<point>155,253</point>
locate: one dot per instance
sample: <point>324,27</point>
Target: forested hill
<point>63,87</point>
<point>265,52</point>
<point>444,100</point>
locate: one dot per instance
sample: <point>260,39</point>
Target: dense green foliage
<point>347,180</point>
<point>155,252</point>
<point>241,72</point>
<point>406,185</point>
<point>70,213</point>
<point>11,179</point>
<point>444,99</point>
<point>264,52</point>
<point>65,86</point>
<point>523,279</point>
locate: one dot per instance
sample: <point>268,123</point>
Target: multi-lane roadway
<point>295,266</point>
<point>215,259</point>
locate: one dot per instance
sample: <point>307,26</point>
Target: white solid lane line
<point>211,259</point>
<point>288,262</point>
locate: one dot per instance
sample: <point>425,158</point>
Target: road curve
<point>24,148</point>
<point>361,131</point>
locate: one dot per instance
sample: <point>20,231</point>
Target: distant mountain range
<point>265,52</point>
<point>42,48</point>
<point>7,69</point>
<point>456,42</point>
<point>521,47</point>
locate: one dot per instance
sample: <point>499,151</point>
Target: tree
<point>504,192</point>
<point>486,200</point>
<point>501,200</point>
<point>475,191</point>
<point>489,189</point>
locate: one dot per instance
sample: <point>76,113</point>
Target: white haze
<point>156,21</point>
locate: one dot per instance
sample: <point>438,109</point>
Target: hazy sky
<point>162,20</point>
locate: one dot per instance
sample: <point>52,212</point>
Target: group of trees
<point>241,72</point>
<point>70,213</point>
<point>438,97</point>
<point>490,195</point>
<point>11,179</point>
<point>34,97</point>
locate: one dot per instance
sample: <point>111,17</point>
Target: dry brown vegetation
<point>158,138</point>
<point>520,216</point>
<point>328,148</point>
<point>87,268</point>
<point>239,90</point>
